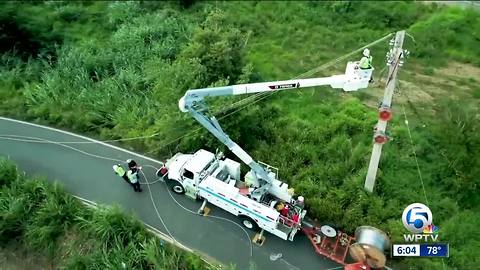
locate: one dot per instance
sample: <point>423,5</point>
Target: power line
<point>320,68</point>
<point>255,98</point>
<point>414,154</point>
<point>416,162</point>
<point>264,95</point>
<point>413,146</point>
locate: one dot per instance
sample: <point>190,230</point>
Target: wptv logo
<point>417,218</point>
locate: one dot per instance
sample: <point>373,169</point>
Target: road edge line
<point>82,137</point>
<point>155,232</point>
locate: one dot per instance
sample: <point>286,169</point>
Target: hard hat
<point>129,160</point>
<point>300,198</point>
<point>366,52</point>
<point>115,167</point>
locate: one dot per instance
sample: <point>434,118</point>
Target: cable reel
<point>370,247</point>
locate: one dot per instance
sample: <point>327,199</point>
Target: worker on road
<point>133,177</point>
<point>120,171</point>
<point>131,164</point>
<point>366,62</point>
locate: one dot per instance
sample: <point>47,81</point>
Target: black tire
<point>249,223</point>
<point>176,187</point>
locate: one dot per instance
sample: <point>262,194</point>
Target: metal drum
<point>370,246</point>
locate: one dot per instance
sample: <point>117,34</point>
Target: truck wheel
<point>249,223</point>
<point>177,187</point>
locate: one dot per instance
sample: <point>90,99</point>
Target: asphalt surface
<point>92,178</point>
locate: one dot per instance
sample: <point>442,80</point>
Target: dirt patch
<point>453,82</point>
<point>465,71</point>
<point>73,243</point>
<point>463,4</point>
<point>14,258</point>
<point>434,79</point>
<point>416,92</point>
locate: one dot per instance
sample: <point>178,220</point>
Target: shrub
<point>8,172</point>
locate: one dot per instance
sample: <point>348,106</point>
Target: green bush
<point>52,219</point>
<point>8,172</point>
<point>476,93</point>
<point>447,35</point>
<point>220,48</point>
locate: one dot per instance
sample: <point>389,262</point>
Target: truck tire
<point>176,187</point>
<point>249,223</point>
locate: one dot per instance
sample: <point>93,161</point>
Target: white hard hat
<point>129,160</point>
<point>300,198</point>
<point>115,167</point>
<point>366,52</point>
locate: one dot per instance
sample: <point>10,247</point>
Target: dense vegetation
<point>43,219</point>
<point>116,70</point>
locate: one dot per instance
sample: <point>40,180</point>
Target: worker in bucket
<point>366,62</point>
<point>133,178</point>
<point>285,210</point>
<point>120,171</point>
<point>300,202</point>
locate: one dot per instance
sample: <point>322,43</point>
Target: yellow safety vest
<point>120,171</point>
<point>365,62</point>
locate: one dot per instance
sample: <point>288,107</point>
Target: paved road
<point>92,178</point>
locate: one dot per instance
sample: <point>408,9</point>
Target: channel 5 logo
<point>418,219</point>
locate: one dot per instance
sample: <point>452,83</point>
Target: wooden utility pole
<point>394,60</point>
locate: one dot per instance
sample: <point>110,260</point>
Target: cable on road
<point>40,140</point>
<point>216,217</point>
<point>156,209</point>
<point>113,140</point>
<point>147,183</point>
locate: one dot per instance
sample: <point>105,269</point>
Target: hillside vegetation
<point>117,69</point>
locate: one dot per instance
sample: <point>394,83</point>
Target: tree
<point>220,48</point>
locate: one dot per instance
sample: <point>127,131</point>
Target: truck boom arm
<point>194,102</point>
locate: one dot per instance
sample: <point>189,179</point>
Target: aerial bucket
<point>356,78</point>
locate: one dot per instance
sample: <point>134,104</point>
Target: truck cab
<point>187,171</point>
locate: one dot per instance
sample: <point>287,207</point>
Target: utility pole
<point>394,61</point>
